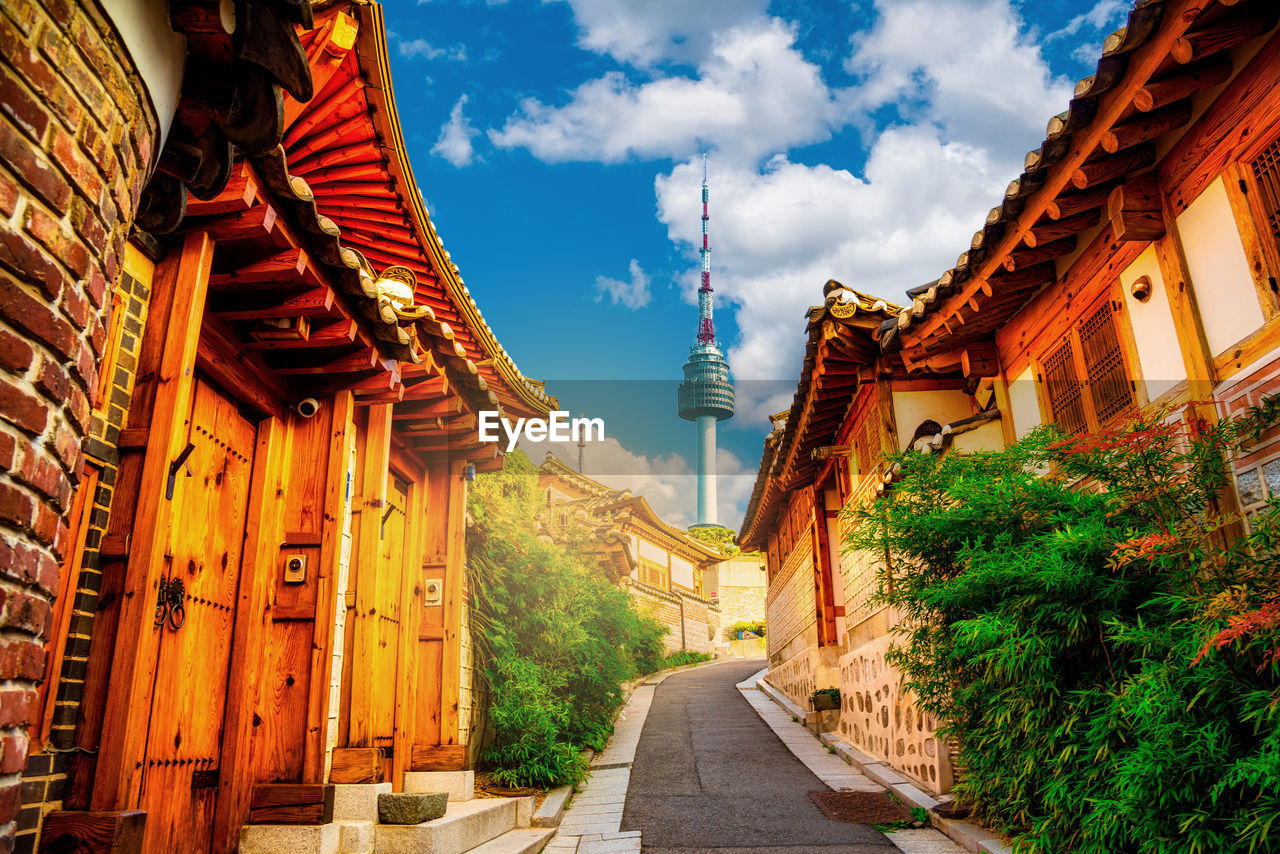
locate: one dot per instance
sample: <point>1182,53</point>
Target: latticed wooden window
<point>653,573</point>
<point>1062,385</point>
<point>1266,171</point>
<point>1110,390</point>
<point>1086,380</point>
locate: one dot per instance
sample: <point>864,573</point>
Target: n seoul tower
<point>706,395</point>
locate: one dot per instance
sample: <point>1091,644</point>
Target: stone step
<point>465,825</point>
<point>460,785</point>
<point>529,841</point>
<point>355,837</point>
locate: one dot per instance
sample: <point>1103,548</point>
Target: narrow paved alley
<point>710,775</point>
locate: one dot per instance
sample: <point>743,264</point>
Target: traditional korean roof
<point>610,510</point>
<point>1119,117</point>
<point>840,351</point>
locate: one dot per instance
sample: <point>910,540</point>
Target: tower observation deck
<point>706,395</point>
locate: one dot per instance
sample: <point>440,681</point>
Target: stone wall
<point>878,716</point>
<point>792,625</point>
<point>76,139</point>
<point>741,604</point>
<point>695,631</point>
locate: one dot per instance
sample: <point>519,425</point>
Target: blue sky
<point>557,145</point>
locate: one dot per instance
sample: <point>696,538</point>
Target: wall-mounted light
<point>1141,288</point>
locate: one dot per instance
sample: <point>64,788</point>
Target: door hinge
<point>175,467</point>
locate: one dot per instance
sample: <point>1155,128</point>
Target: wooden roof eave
<point>371,47</point>
<point>1068,165</point>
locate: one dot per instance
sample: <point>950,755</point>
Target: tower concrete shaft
<point>706,396</point>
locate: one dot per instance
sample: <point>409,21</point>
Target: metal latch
<point>171,599</point>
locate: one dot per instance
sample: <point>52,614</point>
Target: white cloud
<point>967,66</point>
<point>1103,15</point>
<point>655,31</point>
<point>423,49</point>
<point>753,94</point>
<point>454,143</point>
<point>633,294</point>
<point>667,482</point>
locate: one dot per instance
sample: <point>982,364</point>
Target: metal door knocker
<point>171,603</point>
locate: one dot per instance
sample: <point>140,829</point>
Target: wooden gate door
<point>389,591</point>
<point>206,539</point>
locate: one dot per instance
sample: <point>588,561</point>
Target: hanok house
<point>238,422</point>
<point>1131,267</point>
<point>661,566</point>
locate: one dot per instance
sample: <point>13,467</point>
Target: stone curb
<point>552,809</point>
<point>969,836</point>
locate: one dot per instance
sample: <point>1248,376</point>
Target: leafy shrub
<point>682,657</point>
<point>833,693</point>
<point>1098,642</point>
<point>756,626</point>
<point>554,639</point>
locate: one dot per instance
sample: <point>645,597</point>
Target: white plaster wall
<point>1219,269</point>
<point>1024,403</point>
<point>912,407</point>
<point>682,572</point>
<point>156,49</point>
<point>1154,333</point>
<point>651,552</point>
<point>987,437</point>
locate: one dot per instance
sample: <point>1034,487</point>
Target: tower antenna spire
<point>706,396</point>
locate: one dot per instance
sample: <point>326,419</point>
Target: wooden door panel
<point>210,502</point>
<point>390,575</point>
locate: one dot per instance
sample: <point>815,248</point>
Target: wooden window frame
<point>652,566</point>
<point>1092,423</point>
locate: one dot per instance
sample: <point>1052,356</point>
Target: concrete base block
<point>461,785</point>
<point>464,826</point>
<point>358,801</point>
<point>552,809</point>
<point>289,839</point>
<point>355,837</point>
<point>524,811</point>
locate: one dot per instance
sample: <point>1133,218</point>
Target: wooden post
<point>342,437</point>
<point>1004,404</point>
<point>263,532</point>
<point>373,497</point>
<point>1182,304</point>
<point>410,620</point>
<point>117,783</point>
<point>455,552</point>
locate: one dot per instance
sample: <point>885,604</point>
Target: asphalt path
<point>710,776</point>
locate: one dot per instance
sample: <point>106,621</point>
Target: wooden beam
<point>1060,228</point>
<point>240,194</point>
<point>291,803</point>
<point>1146,127</point>
<point>356,765</point>
<point>285,268</point>
<point>1134,209</point>
<point>1113,166</point>
<point>454,601</point>
<point>1183,83</point>
<point>338,334</point>
<point>118,773</point>
<point>93,832</point>
<point>1224,34</point>
<point>439,757</point>
<point>1070,204</point>
<point>1044,252</point>
<point>241,372</point>
<point>256,222</point>
<point>317,302</point>
<point>411,605</point>
<point>1196,356</point>
<point>362,360</point>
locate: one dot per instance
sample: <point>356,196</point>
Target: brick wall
<point>76,138</point>
<point>701,621</point>
<point>741,604</point>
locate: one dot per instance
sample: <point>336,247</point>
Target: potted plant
<point>825,699</point>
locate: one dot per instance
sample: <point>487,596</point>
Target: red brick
<point>95,285</point>
<point>76,307</point>
<point>29,261</point>
<point>10,803</point>
<point>39,471</point>
<point>86,224</point>
<point>29,565</point>
<point>85,370</point>
<point>65,443</point>
<point>53,380</point>
<point>57,47</point>
<point>83,173</point>
<point>19,659</point>
<point>15,353</point>
<point>22,109</point>
<point>13,748</point>
<point>101,60</point>
<point>32,169</point>
<point>17,507</point>
<point>23,611</point>
<point>15,51</point>
<point>37,318</point>
<point>8,450</point>
<point>22,12</point>
<point>17,707</point>
<point>47,525</point>
<point>59,10</point>
<point>9,194</point>
<point>23,409</point>
<point>77,408</point>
